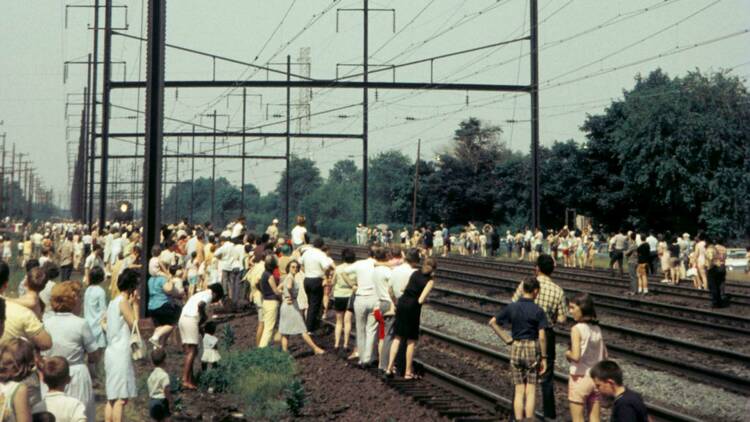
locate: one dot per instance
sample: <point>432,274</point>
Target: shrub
<point>262,379</point>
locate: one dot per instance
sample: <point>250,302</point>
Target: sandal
<point>412,377</point>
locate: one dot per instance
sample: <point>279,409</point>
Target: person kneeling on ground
<point>527,339</point>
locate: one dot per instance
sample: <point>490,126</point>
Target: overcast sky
<point>590,52</point>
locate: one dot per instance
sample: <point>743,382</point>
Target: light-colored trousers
<point>366,325</point>
<point>270,316</point>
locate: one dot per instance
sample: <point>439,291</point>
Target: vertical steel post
<point>288,142</point>
<point>365,118</point>
<point>12,180</point>
<point>244,121</point>
<point>86,140</point>
<point>94,87</point>
<point>213,172</point>
<point>154,132</point>
<point>2,180</point>
<point>416,188</point>
<point>535,205</point>
<point>192,178</point>
<point>177,186</point>
<point>106,78</point>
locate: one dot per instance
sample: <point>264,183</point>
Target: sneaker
<point>665,281</point>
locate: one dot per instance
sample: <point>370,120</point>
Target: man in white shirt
<point>653,244</point>
<point>93,260</point>
<point>238,228</point>
<point>298,232</point>
<point>315,263</point>
<point>273,231</point>
<point>401,273</point>
<point>386,311</point>
<point>224,254</point>
<point>365,302</point>
<point>237,265</point>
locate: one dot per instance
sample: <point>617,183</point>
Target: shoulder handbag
<point>137,347</point>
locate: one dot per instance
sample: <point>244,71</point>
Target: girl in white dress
<point>210,345</point>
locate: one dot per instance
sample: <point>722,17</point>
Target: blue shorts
<point>193,280</point>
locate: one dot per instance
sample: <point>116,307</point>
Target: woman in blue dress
<point>122,313</point>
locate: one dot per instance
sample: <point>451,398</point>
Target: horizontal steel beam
<point>323,83</point>
<point>221,156</point>
<point>236,134</point>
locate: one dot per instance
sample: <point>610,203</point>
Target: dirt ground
<point>334,388</point>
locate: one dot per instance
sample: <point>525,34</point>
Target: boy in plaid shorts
<point>527,339</point>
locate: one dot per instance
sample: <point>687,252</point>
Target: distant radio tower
<point>304,94</point>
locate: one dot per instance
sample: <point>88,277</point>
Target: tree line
<point>672,154</point>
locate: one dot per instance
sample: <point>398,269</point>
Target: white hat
<point>275,221</point>
<point>686,236</point>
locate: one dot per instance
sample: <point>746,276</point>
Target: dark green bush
<point>263,379</point>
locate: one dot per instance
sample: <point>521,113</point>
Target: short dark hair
<point>546,264</point>
<point>607,370</point>
<point>2,310</point>
<point>43,417</point>
<point>318,242</point>
<point>348,255</point>
<point>381,254</point>
<point>217,290</point>
<point>530,284</point>
<point>36,280</point>
<point>270,263</point>
<point>158,356</point>
<point>56,372</point>
<point>51,271</point>
<point>210,327</point>
<point>412,256</point>
<point>586,303</point>
<point>32,263</point>
<point>128,280</point>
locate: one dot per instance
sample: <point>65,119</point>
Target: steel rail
<point>698,373</point>
<point>660,412</point>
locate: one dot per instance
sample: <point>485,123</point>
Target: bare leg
<point>576,412</point>
<point>285,343</point>
<point>108,412</point>
<point>187,369</point>
<point>339,329</point>
<point>410,356</point>
<point>595,413</point>
<point>117,410</point>
<point>395,344</point>
<point>311,343</point>
<point>518,404</point>
<point>530,400</point>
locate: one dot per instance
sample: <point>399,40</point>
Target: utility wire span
<point>268,40</point>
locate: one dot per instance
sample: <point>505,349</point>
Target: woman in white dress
<point>72,339</point>
<point>122,313</point>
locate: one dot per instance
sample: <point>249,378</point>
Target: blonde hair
<point>65,296</point>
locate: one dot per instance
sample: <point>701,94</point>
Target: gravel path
<point>700,400</point>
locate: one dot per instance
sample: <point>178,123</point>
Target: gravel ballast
<point>700,400</point>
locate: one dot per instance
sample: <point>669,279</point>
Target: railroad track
<point>624,342</point>
<point>739,292</point>
<point>660,413</point>
<point>450,395</point>
<point>584,277</point>
<point>618,304</point>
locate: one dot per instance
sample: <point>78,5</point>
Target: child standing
<point>94,310</point>
<point>628,406</point>
<point>586,350</point>
<point>210,344</point>
<point>159,391</point>
<point>36,280</point>
<point>192,274</point>
<point>56,374</point>
<point>13,394</point>
<point>527,339</point>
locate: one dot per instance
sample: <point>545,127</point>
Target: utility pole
<point>365,116</point>
<point>192,178</point>
<point>154,133</point>
<point>244,126</point>
<point>105,111</point>
<point>2,179</point>
<point>416,188</point>
<point>288,144</point>
<point>93,91</point>
<point>12,181</point>
<point>213,171</point>
<point>535,205</point>
<point>177,186</point>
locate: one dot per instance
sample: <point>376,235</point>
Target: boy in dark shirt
<point>527,339</point>
<point>629,406</point>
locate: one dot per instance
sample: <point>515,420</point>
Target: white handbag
<point>137,347</point>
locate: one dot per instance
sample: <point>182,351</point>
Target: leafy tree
<point>390,187</point>
<point>672,154</point>
<point>305,178</point>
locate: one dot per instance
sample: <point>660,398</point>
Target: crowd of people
<point>701,260</point>
<point>58,335</point>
